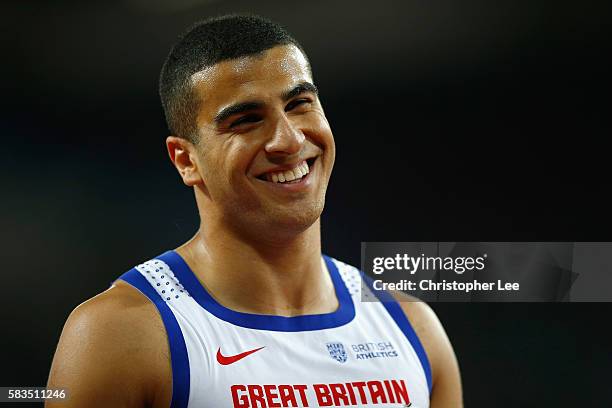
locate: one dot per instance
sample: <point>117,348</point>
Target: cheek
<point>232,162</point>
<point>318,128</point>
<point>241,155</point>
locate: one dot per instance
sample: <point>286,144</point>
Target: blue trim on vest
<point>178,349</point>
<point>396,312</point>
<point>343,315</point>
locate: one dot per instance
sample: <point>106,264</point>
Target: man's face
<point>266,150</point>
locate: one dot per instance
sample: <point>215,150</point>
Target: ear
<point>183,155</point>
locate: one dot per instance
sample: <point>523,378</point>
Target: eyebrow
<point>302,87</point>
<point>241,107</point>
<point>235,109</point>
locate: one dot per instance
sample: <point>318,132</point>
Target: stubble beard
<point>274,223</point>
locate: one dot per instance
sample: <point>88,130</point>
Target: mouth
<point>294,175</point>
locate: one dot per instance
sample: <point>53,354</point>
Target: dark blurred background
<point>473,121</point>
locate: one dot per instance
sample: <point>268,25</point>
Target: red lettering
<point>327,395</point>
<point>360,385</point>
<point>338,392</point>
<point>302,390</point>
<point>242,400</point>
<point>287,396</point>
<point>376,392</point>
<point>322,393</point>
<point>351,393</point>
<point>269,389</point>
<point>389,391</point>
<point>256,396</point>
<point>400,391</point>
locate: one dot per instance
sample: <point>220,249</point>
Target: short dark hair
<point>207,43</point>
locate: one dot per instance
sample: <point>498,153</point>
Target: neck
<point>285,278</point>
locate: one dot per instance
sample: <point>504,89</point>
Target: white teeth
<point>296,173</point>
<point>289,176</point>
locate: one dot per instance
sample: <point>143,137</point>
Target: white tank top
<point>364,354</point>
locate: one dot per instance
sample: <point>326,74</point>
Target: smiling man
<point>249,313</point>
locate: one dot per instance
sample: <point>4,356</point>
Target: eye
<point>297,102</point>
<point>251,118</point>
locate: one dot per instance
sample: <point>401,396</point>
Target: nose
<point>286,138</point>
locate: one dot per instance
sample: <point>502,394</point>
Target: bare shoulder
<point>446,379</point>
<point>113,350</point>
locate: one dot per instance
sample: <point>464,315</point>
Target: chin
<point>284,223</point>
<point>272,221</point>
<point>294,221</point>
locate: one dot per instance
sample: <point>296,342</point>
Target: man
<point>248,313</point>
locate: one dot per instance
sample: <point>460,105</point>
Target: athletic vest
<point>364,354</point>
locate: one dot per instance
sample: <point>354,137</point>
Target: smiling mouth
<point>290,176</point>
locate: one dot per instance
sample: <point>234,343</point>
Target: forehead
<point>254,77</point>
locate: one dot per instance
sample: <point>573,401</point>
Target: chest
<point>366,363</point>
